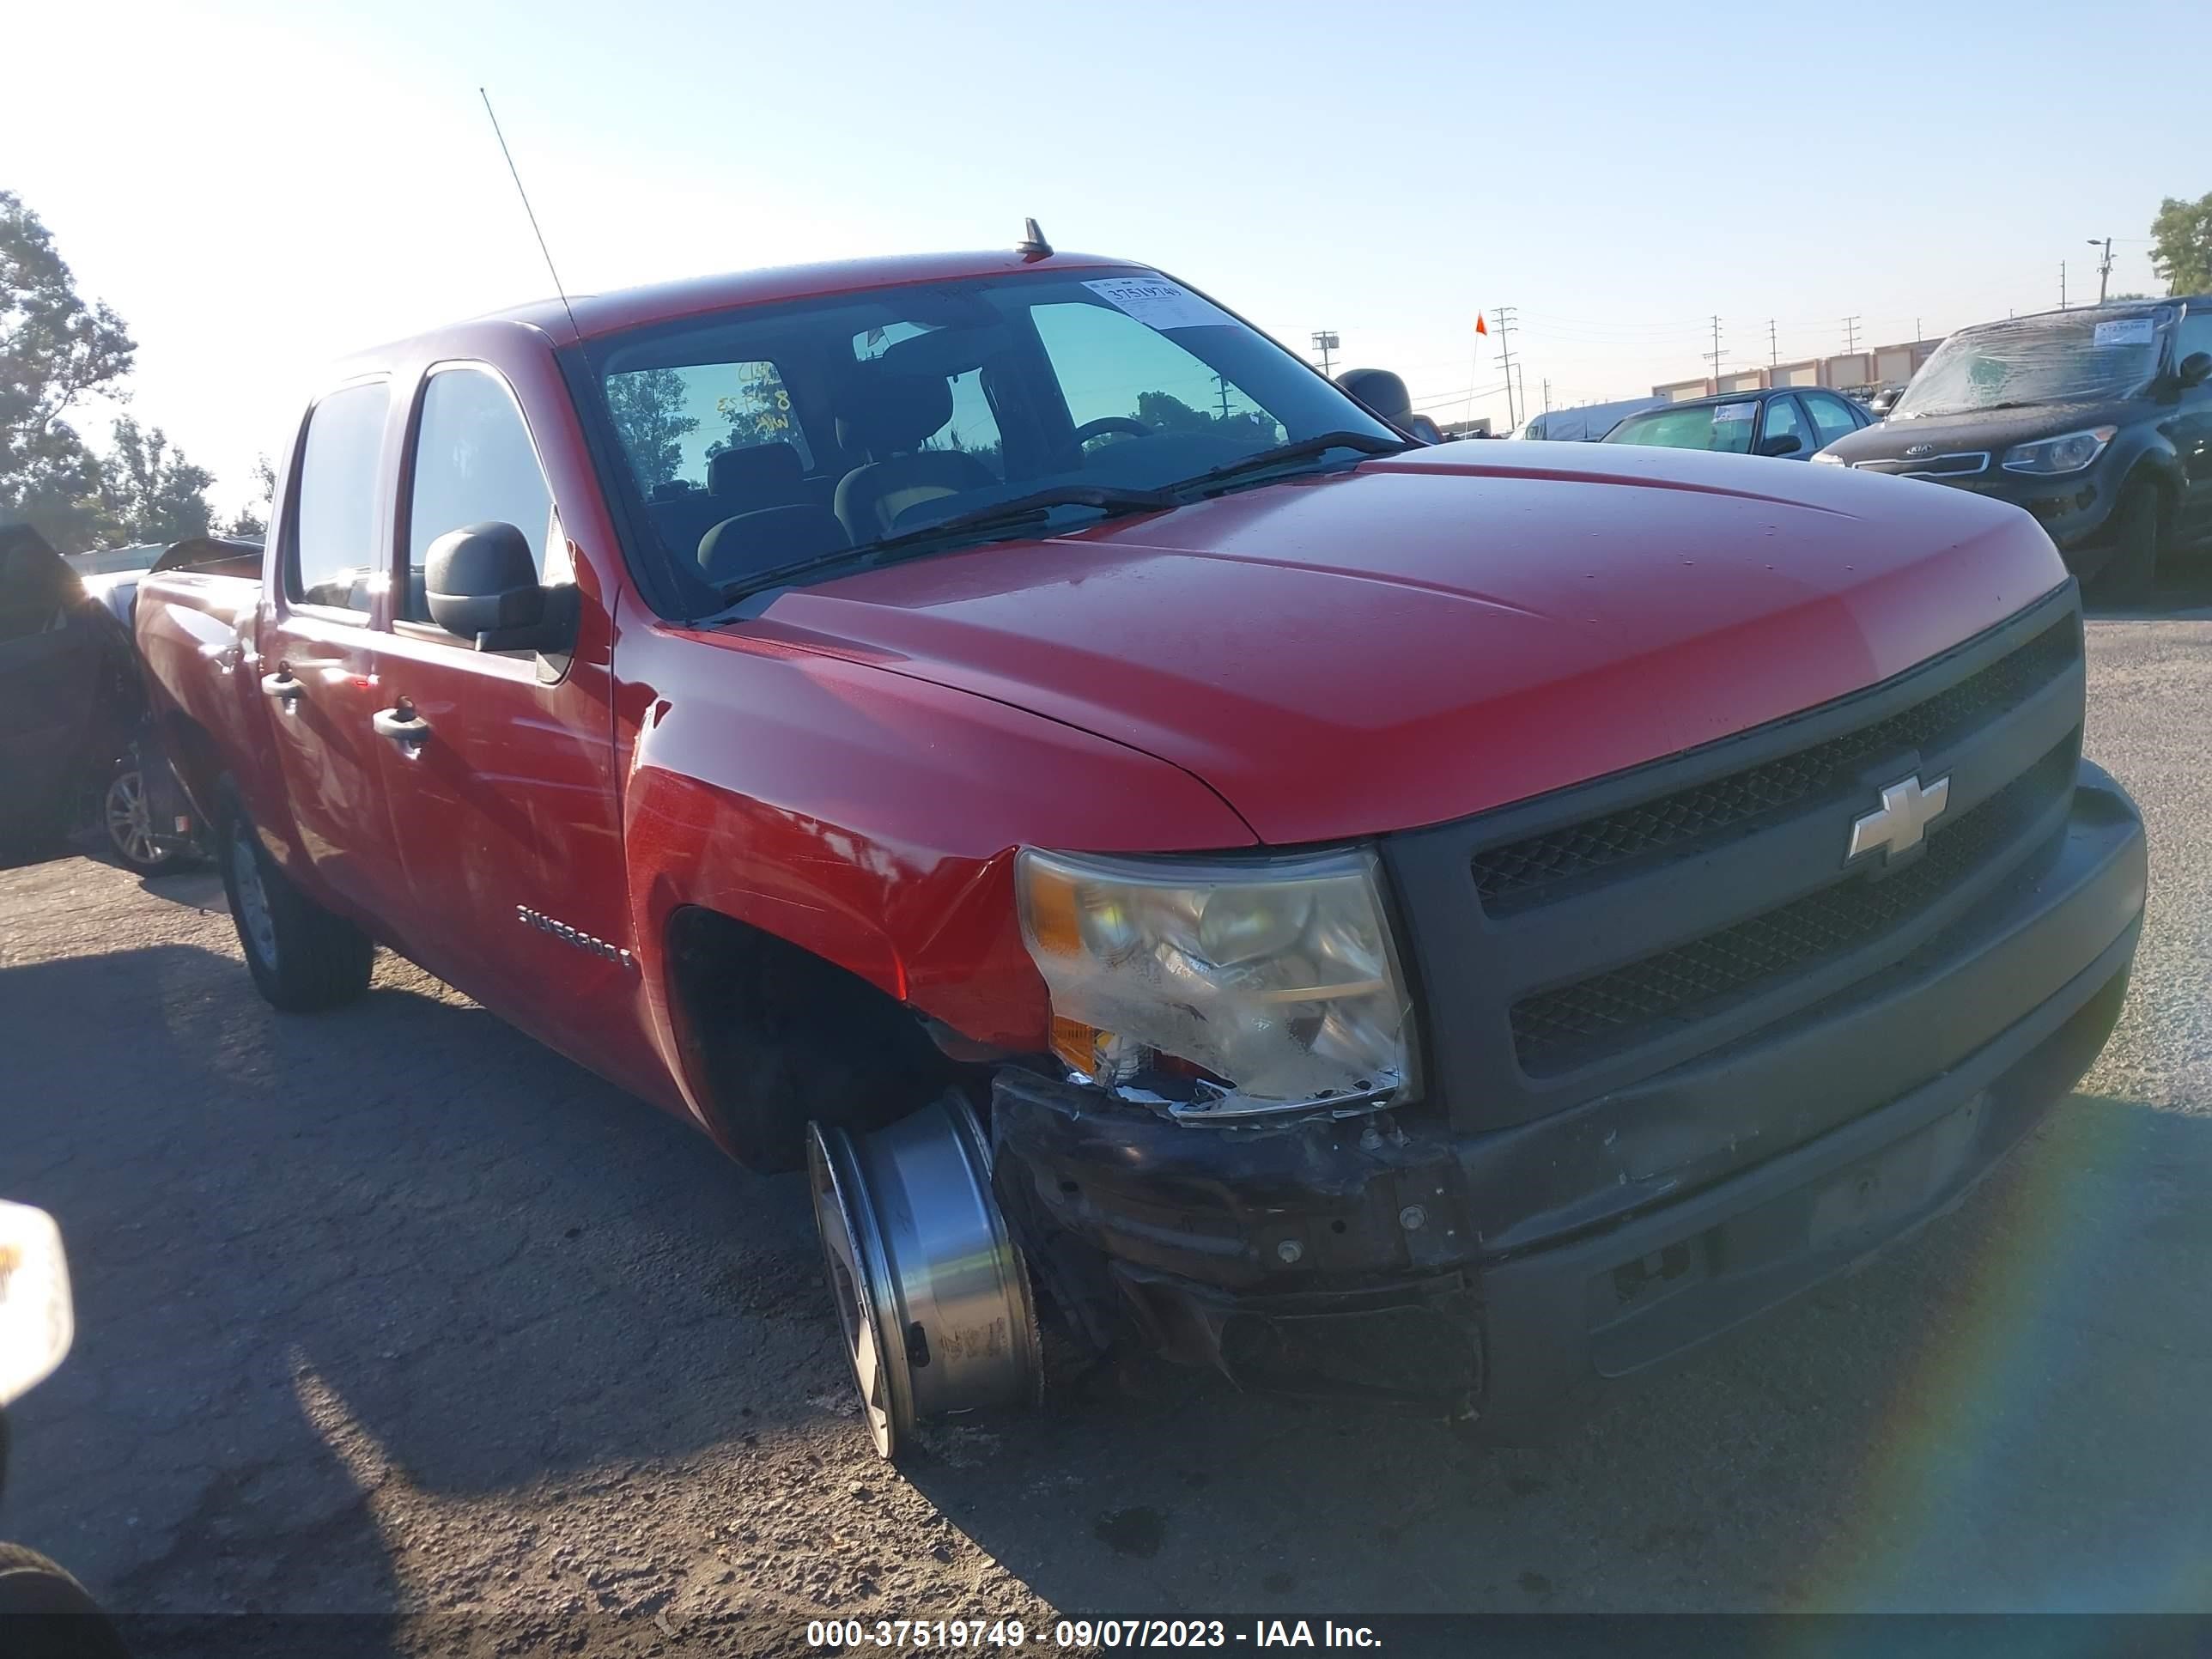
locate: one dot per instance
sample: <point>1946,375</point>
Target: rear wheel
<point>2127,575</point>
<point>302,958</point>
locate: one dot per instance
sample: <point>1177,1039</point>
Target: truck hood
<point>1428,635</point>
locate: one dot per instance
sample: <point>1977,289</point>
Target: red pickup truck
<point>1404,922</point>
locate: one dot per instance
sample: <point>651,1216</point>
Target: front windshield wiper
<point>1367,443</point>
<point>1109,501</point>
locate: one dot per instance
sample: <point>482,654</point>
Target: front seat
<point>756,475</point>
<point>886,417</point>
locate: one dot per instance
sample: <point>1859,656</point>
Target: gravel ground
<point>390,1310</point>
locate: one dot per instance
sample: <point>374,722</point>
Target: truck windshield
<point>1723,427</point>
<point>2078,356</point>
<point>773,435</point>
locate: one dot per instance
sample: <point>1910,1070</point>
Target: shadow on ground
<point>2005,1412</point>
<point>398,1241</point>
<point>402,1243</point>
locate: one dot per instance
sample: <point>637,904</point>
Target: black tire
<point>46,1614</point>
<point>303,958</point>
<point>2127,575</point>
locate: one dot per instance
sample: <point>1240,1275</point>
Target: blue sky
<point>259,188</point>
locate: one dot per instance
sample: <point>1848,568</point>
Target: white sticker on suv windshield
<point>1158,303</point>
<point>1735,411</point>
<point>2131,330</point>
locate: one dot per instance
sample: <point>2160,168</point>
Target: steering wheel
<point>1106,423</point>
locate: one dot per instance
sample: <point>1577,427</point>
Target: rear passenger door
<point>1831,417</point>
<point>505,814</point>
<point>319,646</point>
<point>1782,419</point>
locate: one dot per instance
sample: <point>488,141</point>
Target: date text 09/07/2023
<point>1086,1633</point>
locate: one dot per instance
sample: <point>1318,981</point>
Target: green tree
<point>55,350</point>
<point>148,492</point>
<point>252,519</point>
<point>648,412</point>
<point>2181,239</point>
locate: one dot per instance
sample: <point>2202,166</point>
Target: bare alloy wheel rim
<point>254,919</point>
<point>130,824</point>
<point>842,1250</point>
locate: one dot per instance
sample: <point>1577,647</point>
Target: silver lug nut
<point>1412,1217</point>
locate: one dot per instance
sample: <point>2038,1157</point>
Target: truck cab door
<point>316,666</point>
<point>503,785</point>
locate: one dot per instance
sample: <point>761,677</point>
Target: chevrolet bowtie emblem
<point>1908,806</point>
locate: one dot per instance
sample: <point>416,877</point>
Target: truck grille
<point>1538,869</point>
<point>1585,941</point>
<point>1558,1030</point>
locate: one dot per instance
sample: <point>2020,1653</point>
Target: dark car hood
<point>1431,635</point>
<point>1995,431</point>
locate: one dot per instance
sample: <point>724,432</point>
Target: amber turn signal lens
<point>1075,1043</point>
<point>1049,913</point>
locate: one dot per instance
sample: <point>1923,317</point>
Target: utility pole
<point>2104,267</point>
<point>2062,284</point>
<point>1222,380</point>
<point>1851,335</point>
<point>1547,394</point>
<point>1773,350</point>
<point>1504,333</point>
<point>1714,354</point>
<point>1325,341</point>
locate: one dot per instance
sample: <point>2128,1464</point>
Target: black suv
<point>2099,422</point>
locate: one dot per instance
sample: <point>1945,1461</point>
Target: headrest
<point>882,411</point>
<point>1380,390</point>
<point>765,472</point>
<point>753,542</point>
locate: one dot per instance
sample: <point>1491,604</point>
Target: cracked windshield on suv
<point>777,439</point>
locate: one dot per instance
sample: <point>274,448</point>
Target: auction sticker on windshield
<point>2129,330</point>
<point>1158,303</point>
<point>1735,411</point>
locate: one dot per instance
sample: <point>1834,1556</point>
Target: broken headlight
<point>1271,985</point>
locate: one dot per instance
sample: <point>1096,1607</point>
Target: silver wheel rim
<point>931,1294</point>
<point>130,825</point>
<point>854,1267</point>
<point>253,918</point>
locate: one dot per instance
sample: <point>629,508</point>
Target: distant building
<point>1889,365</point>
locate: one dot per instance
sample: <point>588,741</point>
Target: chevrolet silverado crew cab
<point>2097,422</point>
<point>1156,844</point>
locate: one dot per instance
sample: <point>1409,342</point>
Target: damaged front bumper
<point>1490,1274</point>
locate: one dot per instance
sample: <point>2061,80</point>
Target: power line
<point>1505,331</point>
<point>2104,268</point>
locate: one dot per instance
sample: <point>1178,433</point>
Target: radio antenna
<point>514,173</point>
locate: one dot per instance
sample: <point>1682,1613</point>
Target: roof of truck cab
<point>598,314</point>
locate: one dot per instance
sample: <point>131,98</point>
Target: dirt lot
<point>392,1310</point>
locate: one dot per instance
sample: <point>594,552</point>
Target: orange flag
<point>1481,327</point>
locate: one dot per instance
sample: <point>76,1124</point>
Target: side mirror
<point>2196,369</point>
<point>1781,443</point>
<point>480,582</point>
